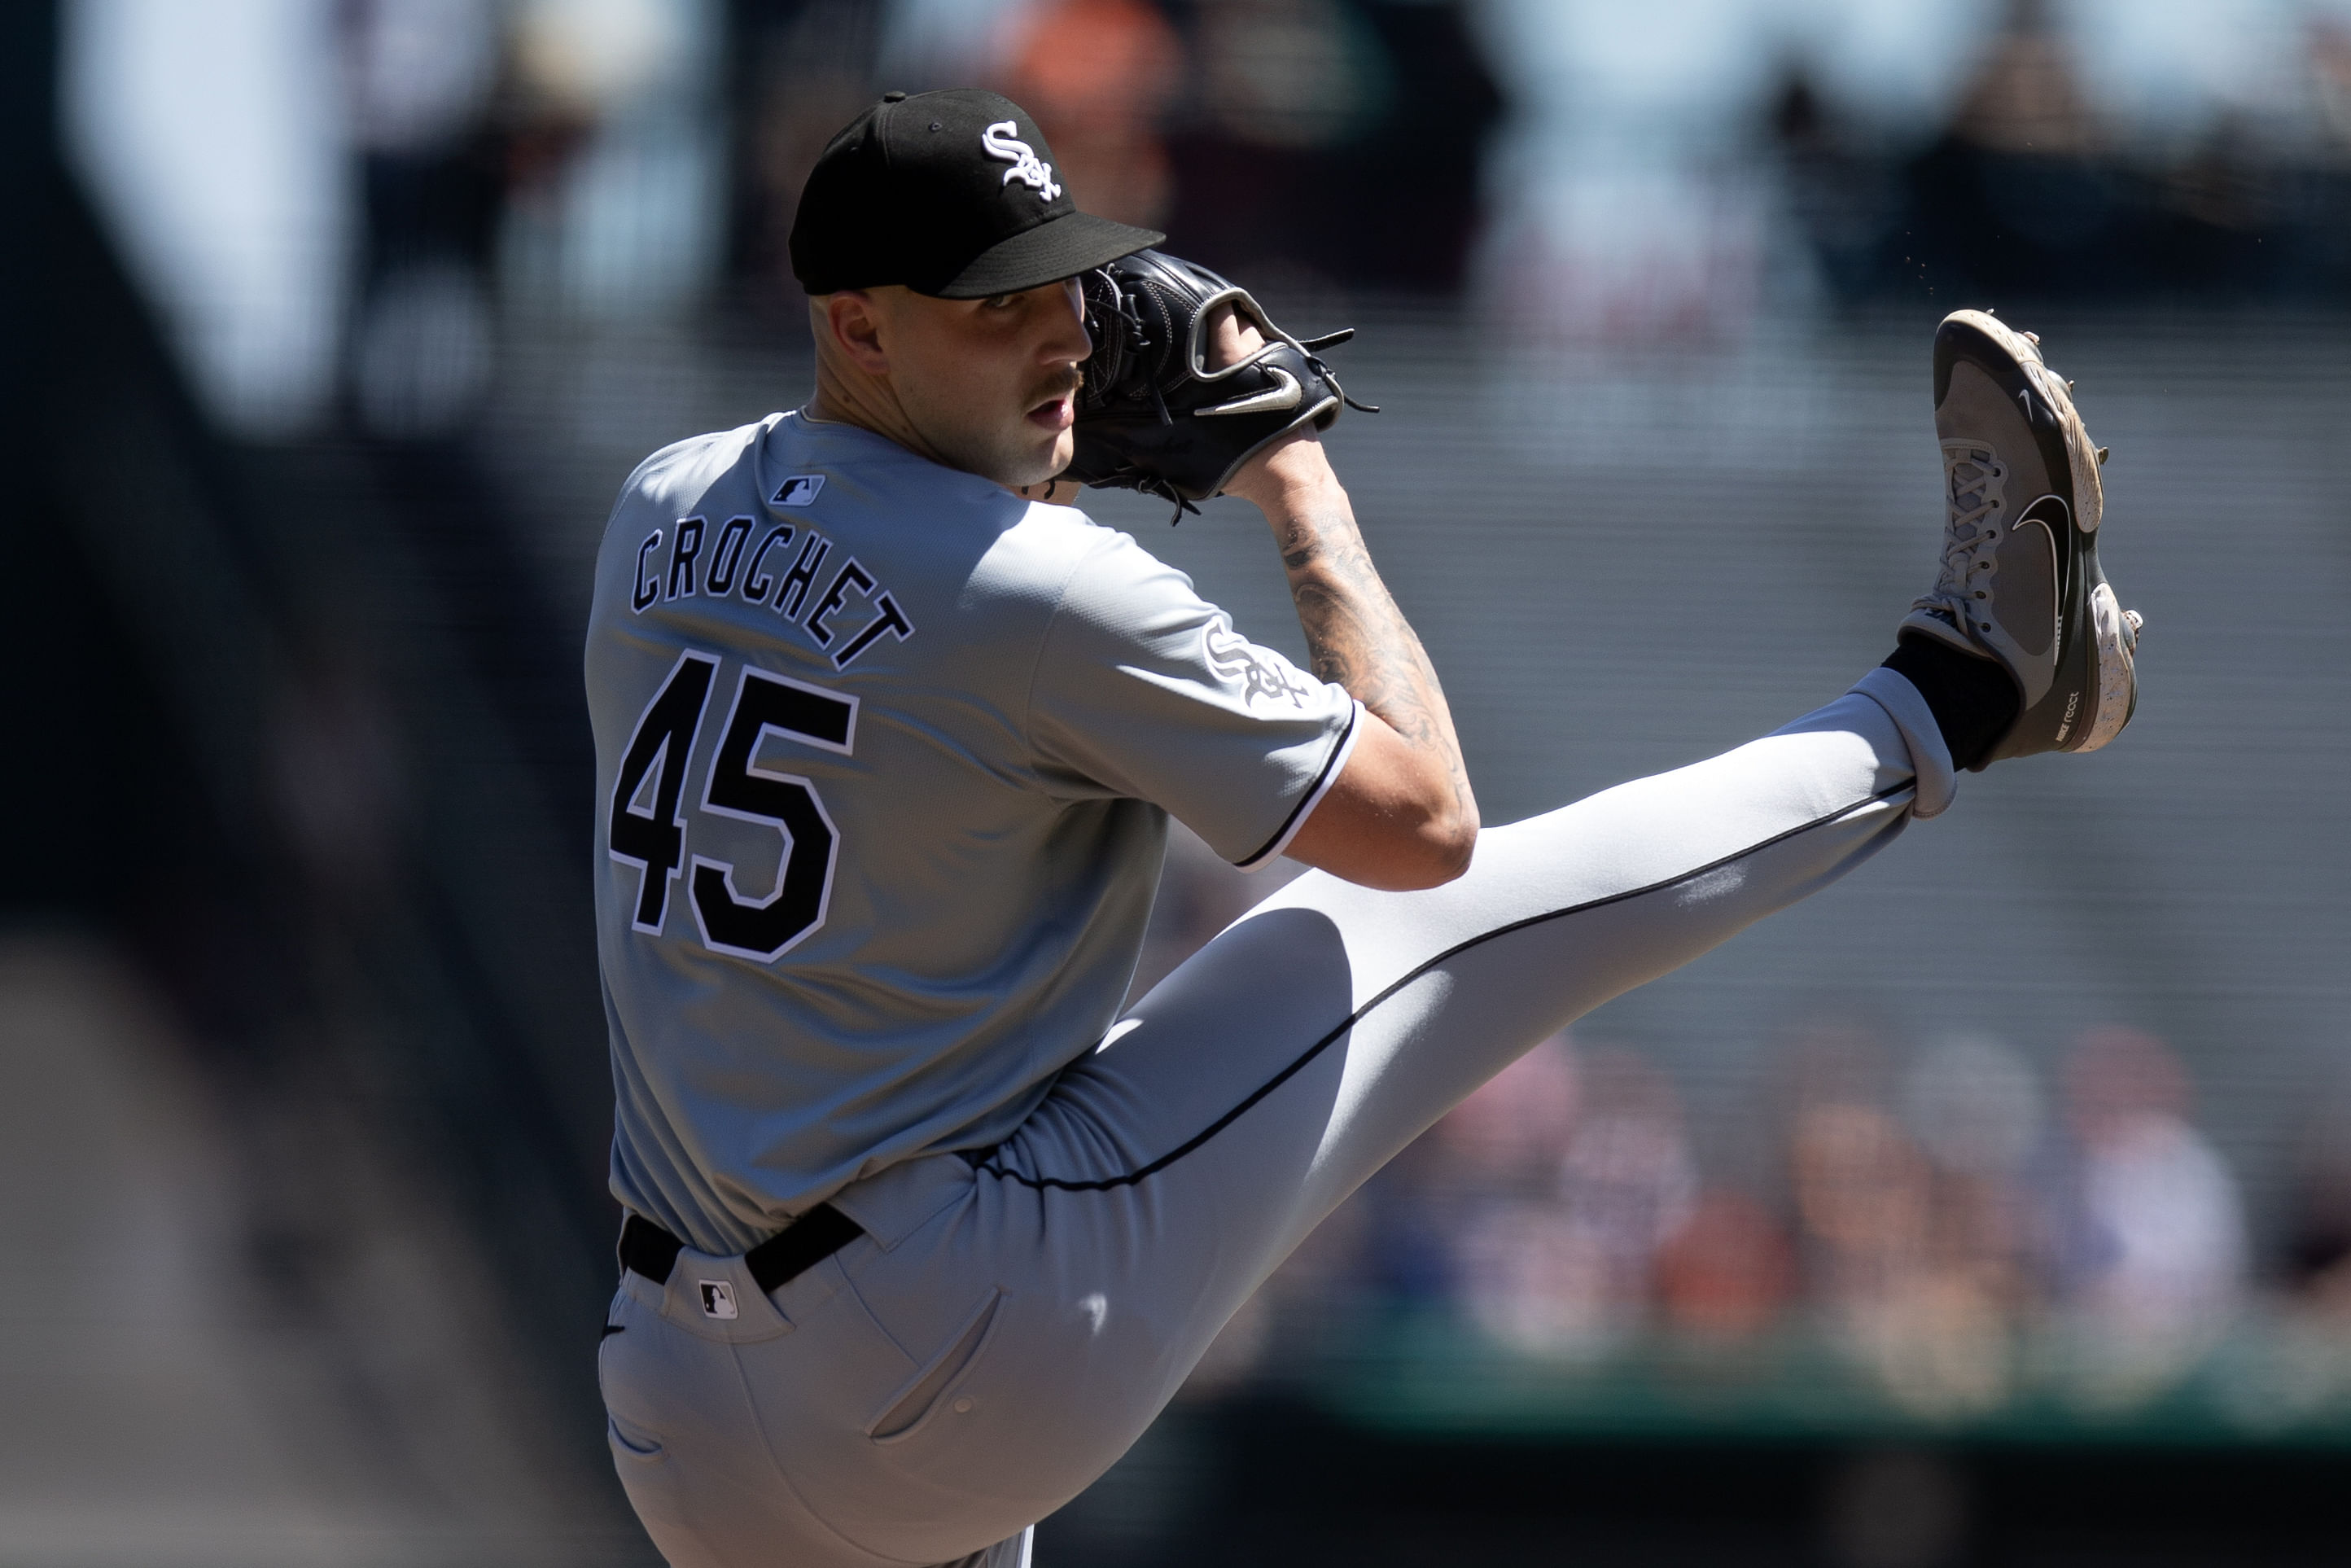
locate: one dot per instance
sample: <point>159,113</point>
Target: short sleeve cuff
<point>1332,766</point>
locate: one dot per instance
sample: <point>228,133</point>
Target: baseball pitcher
<point>923,1228</point>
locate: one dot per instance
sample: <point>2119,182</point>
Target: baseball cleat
<point>2020,582</point>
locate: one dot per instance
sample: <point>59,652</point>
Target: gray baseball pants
<point>1003,1333</point>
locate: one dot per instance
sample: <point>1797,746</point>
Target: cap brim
<point>1057,248</point>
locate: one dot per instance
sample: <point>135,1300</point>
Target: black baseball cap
<point>951,193</point>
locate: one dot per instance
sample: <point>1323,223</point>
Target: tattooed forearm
<point>1357,639</point>
<point>1355,635</point>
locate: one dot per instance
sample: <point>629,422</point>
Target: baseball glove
<point>1152,417</point>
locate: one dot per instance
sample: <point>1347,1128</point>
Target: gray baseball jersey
<point>884,758</point>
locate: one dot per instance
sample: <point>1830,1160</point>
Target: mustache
<point>1057,388</point>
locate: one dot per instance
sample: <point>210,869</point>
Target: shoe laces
<point>1973,482</point>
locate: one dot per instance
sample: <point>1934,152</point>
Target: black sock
<point>1973,700</point>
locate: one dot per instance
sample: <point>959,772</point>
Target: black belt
<point>646,1249</point>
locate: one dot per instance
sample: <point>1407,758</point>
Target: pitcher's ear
<point>853,324</point>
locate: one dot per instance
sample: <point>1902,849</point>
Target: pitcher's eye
<point>999,302</point>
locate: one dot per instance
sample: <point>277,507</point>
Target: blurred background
<point>1992,1207</point>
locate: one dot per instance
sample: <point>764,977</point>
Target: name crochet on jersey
<point>734,567</point>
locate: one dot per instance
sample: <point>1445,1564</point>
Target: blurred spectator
<point>1098,75</point>
<point>1484,1168</point>
<point>2026,96</point>
<point>1331,141</point>
<point>629,227</point>
<point>2020,189</point>
<point>1948,1245</point>
<point>1914,1238</point>
<point>1627,1178</point>
<point>2319,1268</point>
<point>2328,47</point>
<point>2165,73</point>
<point>1570,1270</point>
<point>1624,211</point>
<point>802,69</point>
<point>2103,149</point>
<point>1976,1108</point>
<point>2308,1356</point>
<point>1508,1138</point>
<point>1509,1253</point>
<point>1724,1276</point>
<point>2152,1248</point>
<point>1863,1193</point>
<point>1946,1334</point>
<point>1857,1184</point>
<point>1282,140</point>
<point>420,76</point>
<point>1288,73</point>
<point>1844,197</point>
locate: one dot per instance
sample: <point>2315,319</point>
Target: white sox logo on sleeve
<point>1231,655</point>
<point>999,140</point>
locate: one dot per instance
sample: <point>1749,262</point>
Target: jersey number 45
<point>648,823</point>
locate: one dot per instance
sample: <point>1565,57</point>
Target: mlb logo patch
<point>799,490</point>
<point>717,1298</point>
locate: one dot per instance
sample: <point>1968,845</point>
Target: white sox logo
<point>999,140</point>
<point>1231,656</point>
